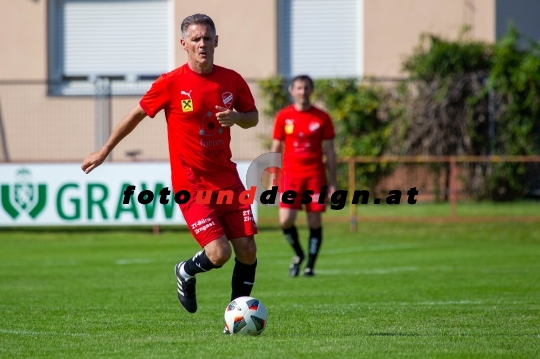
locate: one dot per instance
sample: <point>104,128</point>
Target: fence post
<point>452,189</point>
<point>103,112</point>
<point>3,139</point>
<point>352,187</point>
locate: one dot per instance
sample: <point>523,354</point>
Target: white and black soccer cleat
<point>294,268</point>
<point>186,290</point>
<point>308,272</point>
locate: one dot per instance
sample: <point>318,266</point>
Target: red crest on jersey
<point>227,99</point>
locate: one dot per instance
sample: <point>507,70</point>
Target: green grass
<point>465,209</point>
<point>455,290</point>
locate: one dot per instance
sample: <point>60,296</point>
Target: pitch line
<point>30,332</point>
<point>366,271</point>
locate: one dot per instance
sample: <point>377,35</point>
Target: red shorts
<point>208,222</point>
<point>299,184</point>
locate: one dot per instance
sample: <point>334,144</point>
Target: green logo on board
<point>24,196</point>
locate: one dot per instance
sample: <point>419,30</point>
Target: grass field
<point>412,290</point>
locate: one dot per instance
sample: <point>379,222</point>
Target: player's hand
<point>226,117</point>
<point>92,161</point>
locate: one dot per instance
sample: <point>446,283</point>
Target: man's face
<point>301,92</point>
<point>200,43</point>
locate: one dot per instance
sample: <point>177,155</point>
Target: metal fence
<point>43,121</point>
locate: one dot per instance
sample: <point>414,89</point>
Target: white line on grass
<point>382,247</point>
<point>374,248</point>
<point>365,271</point>
<point>449,302</point>
<point>30,332</point>
<point>121,262</point>
<point>43,264</point>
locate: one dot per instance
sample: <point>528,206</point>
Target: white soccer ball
<point>246,316</point>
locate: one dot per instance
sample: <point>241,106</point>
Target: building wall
<point>23,39</point>
<point>247,32</point>
<point>392,28</point>
<point>40,127</point>
<point>248,38</point>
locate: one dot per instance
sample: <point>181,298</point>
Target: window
<point>126,42</point>
<point>321,38</point>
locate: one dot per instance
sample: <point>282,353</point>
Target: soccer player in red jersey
<point>201,102</point>
<point>304,133</point>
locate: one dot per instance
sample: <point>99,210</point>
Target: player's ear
<point>215,41</point>
<point>183,43</point>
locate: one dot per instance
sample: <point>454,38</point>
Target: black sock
<point>291,236</point>
<point>199,263</point>
<point>243,278</point>
<point>314,246</point>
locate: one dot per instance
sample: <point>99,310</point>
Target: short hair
<point>200,19</point>
<point>305,78</point>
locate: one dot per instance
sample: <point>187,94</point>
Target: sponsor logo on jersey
<point>188,94</point>
<point>187,105</point>
<point>289,126</point>
<point>209,126</point>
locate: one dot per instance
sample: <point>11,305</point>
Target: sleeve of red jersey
<point>279,133</point>
<point>155,99</point>
<point>244,101</point>
<point>328,128</point>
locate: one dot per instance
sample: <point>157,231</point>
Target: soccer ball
<point>246,316</point>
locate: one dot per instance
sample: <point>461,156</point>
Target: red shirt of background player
<point>303,133</point>
<point>199,147</point>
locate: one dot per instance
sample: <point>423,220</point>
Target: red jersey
<point>303,133</point>
<point>199,148</point>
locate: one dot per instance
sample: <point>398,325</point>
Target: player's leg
<point>239,226</point>
<point>245,265</point>
<point>287,218</point>
<point>205,227</point>
<point>214,255</point>
<point>314,241</point>
<point>314,212</point>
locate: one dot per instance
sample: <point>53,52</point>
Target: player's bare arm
<point>330,154</point>
<point>277,146</point>
<point>125,126</point>
<point>228,118</point>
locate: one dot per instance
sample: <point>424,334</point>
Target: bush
<point>474,98</point>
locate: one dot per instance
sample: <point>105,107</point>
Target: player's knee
<point>314,223</point>
<point>219,254</point>
<point>224,256</point>
<point>248,252</point>
<point>286,222</point>
<point>251,251</point>
<point>314,220</point>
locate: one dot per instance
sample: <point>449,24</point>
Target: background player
<point>304,133</point>
<point>198,99</point>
